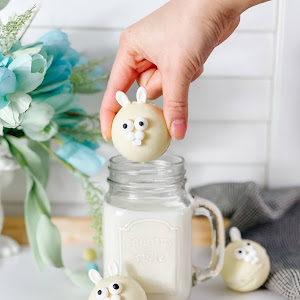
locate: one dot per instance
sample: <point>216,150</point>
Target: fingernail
<point>178,129</point>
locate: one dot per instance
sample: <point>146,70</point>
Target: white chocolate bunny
<point>139,130</point>
<point>115,287</point>
<point>246,264</point>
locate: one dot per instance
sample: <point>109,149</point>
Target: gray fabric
<point>269,217</point>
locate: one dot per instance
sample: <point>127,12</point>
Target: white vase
<point>8,246</point>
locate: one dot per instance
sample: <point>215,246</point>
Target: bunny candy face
<point>246,265</point>
<point>115,288</point>
<point>139,130</point>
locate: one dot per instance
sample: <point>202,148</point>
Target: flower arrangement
<point>39,84</point>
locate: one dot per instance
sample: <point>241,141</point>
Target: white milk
<point>153,247</point>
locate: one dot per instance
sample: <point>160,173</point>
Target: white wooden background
<point>238,119</point>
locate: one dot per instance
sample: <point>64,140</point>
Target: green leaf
<point>36,203</point>
<point>60,102</point>
<point>81,279</point>
<point>37,122</point>
<point>33,214</point>
<point>44,157</point>
<point>49,243</point>
<point>3,3</point>
<point>26,158</point>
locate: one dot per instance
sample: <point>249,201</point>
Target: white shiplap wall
<point>228,136</point>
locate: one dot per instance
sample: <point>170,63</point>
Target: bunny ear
<point>235,234</point>
<point>114,269</point>
<point>94,276</point>
<point>122,99</point>
<point>141,95</point>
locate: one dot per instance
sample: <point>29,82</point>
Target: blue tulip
<point>55,43</point>
<point>8,82</point>
<point>80,156</point>
<point>71,56</point>
<point>58,73</point>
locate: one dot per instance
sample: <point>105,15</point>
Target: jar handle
<point>203,207</point>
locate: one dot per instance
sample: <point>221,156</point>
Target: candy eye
<point>240,253</point>
<point>127,125</point>
<point>115,288</point>
<point>140,123</point>
<point>248,246</point>
<point>101,293</point>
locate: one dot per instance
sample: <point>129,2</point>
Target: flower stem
<point>46,148</point>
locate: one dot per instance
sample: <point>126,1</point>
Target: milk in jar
<point>147,217</point>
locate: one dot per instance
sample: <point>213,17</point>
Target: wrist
<point>239,6</point>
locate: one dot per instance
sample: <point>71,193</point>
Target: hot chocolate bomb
<point>246,264</point>
<point>115,287</point>
<point>139,130</point>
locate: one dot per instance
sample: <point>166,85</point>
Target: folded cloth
<point>269,217</point>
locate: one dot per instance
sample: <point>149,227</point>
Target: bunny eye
<point>127,125</point>
<point>140,123</point>
<point>115,288</point>
<point>239,253</point>
<point>101,293</point>
<point>247,246</point>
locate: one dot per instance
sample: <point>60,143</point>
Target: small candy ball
<point>246,264</point>
<point>139,130</point>
<point>89,255</point>
<point>91,266</point>
<point>115,287</point>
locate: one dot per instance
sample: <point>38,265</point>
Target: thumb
<point>175,97</point>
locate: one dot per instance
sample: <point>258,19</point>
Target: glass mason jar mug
<point>147,219</point>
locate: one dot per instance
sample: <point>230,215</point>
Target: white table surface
<point>20,280</point>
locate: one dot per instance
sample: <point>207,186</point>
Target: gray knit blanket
<point>269,217</point>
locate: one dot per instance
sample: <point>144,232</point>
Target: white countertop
<point>20,280</point>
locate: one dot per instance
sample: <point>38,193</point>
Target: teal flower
<point>20,76</point>
<point>57,75</point>
<point>12,115</point>
<point>79,156</point>
<point>8,85</point>
<point>29,71</point>
<point>38,124</point>
<point>63,58</point>
<point>55,43</point>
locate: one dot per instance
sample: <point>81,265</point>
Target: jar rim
<point>166,169</point>
<point>118,162</point>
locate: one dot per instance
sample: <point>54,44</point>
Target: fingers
<point>175,93</point>
<point>151,80</point>
<point>121,78</point>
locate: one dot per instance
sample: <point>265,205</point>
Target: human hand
<point>166,51</point>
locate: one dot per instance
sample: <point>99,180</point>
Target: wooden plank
<point>201,174</point>
<point>229,99</point>
<point>284,159</point>
<point>260,17</point>
<point>77,231</point>
<point>120,14</point>
<point>243,54</point>
<point>223,142</point>
<point>214,99</point>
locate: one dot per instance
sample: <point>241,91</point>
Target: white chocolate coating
<point>131,290</point>
<point>246,265</point>
<point>141,145</point>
